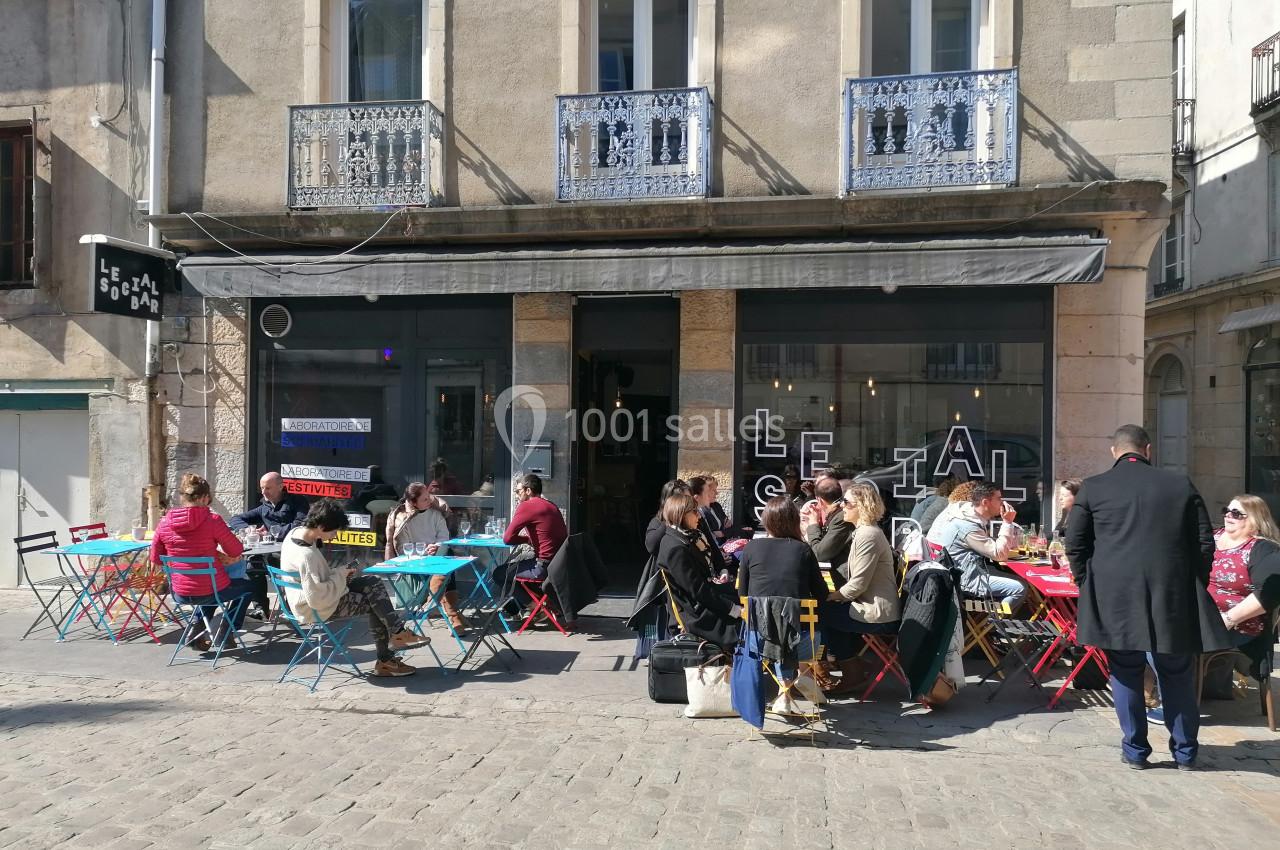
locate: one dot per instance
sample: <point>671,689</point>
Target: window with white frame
<point>925,36</point>
<point>642,44</point>
<point>1175,249</point>
<point>379,50</point>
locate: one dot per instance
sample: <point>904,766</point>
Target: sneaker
<point>1187,765</point>
<point>1155,715</point>
<point>393,668</point>
<point>406,639</point>
<point>1136,765</point>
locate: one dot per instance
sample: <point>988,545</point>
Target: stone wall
<point>708,349</point>
<point>542,359</point>
<point>202,393</point>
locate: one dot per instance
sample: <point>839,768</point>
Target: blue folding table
<point>420,604</point>
<point>110,556</point>
<point>490,553</point>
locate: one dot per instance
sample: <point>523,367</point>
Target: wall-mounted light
<point>977,392</point>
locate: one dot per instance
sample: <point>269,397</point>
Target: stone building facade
<point>996,287</point>
<point>1212,357</point>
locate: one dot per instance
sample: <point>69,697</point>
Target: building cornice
<point>1247,284</point>
<point>1008,211</point>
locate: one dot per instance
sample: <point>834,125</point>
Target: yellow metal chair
<point>805,720</point>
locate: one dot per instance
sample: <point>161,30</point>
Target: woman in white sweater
<point>338,592</point>
<point>420,518</point>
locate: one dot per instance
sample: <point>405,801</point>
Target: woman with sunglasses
<point>1247,537</point>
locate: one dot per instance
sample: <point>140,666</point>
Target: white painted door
<point>44,482</point>
<point>1171,426</point>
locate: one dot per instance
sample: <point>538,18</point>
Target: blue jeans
<point>238,588</point>
<point>1176,675</point>
<point>804,651</point>
<point>1001,588</point>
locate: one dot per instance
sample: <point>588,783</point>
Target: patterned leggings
<point>368,595</point>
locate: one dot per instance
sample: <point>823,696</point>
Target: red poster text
<point>318,488</point>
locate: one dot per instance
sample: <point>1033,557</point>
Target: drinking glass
<point>465,528</point>
<point>420,549</point>
<point>406,550</point>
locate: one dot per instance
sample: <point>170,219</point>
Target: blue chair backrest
<point>285,580</point>
<point>187,566</point>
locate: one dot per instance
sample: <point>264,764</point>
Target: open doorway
<point>624,394</point>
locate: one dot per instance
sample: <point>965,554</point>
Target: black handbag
<point>670,658</point>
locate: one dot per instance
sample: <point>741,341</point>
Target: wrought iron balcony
<point>633,144</point>
<point>366,154</point>
<point>931,130</point>
<point>1266,74</point>
<point>1184,115</point>
<point>1167,287</point>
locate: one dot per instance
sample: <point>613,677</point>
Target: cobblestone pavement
<point>106,747</point>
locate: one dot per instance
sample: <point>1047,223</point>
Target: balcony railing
<point>380,153</point>
<point>1167,287</point>
<point>931,130</point>
<point>1266,74</point>
<point>1184,115</point>
<point>633,144</point>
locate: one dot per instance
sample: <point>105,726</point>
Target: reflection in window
<point>384,44</point>
<point>873,399</point>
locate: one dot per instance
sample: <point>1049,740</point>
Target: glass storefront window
<point>461,438</point>
<point>1263,423</point>
<point>903,415</point>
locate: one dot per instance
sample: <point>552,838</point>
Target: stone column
<point>542,359</point>
<point>708,347</point>
<point>1098,358</point>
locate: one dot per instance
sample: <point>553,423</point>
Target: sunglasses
<point>1234,514</point>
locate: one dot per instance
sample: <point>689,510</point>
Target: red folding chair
<point>541,606</point>
<point>106,579</point>
<point>885,647</point>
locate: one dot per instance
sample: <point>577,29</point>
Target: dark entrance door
<point>626,361</point>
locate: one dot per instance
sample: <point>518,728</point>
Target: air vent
<point>275,320</point>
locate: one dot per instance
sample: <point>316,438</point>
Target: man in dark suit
<point>1140,546</point>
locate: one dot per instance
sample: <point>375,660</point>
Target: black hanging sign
<point>128,281</point>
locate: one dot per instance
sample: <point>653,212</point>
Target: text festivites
<point>318,489</point>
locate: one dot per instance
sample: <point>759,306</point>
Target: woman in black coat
<point>708,608</point>
<point>651,613</point>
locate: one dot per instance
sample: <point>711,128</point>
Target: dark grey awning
<point>969,261</point>
<point>1242,320</point>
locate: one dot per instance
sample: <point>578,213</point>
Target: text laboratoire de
<point>321,425</point>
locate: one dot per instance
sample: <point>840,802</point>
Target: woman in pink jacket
<point>192,530</point>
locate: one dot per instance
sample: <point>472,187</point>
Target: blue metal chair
<point>195,622</point>
<point>319,638</point>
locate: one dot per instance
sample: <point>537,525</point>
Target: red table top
<point>1044,578</point>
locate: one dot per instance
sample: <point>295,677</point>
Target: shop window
<point>1262,417</point>
<point>379,50</point>
<point>903,415</point>
<point>17,183</point>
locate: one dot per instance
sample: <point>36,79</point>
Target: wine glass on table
<point>420,549</point>
<point>465,528</point>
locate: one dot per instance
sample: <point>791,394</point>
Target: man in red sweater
<point>537,532</point>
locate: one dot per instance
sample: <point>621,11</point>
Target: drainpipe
<point>156,205</point>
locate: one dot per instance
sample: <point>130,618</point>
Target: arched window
<point>1171,414</point>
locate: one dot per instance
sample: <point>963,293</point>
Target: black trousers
<point>256,575</point>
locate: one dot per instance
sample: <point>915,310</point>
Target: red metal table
<point>1061,596</point>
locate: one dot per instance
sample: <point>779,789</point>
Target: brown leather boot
<point>450,606</point>
<point>853,675</point>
